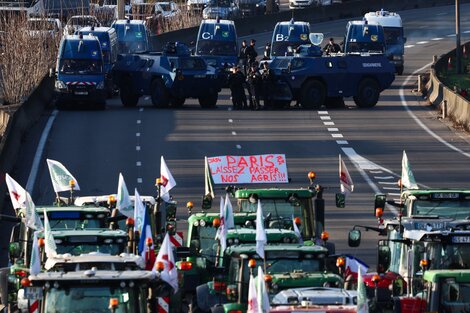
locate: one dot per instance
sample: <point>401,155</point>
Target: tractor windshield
<point>456,209</point>
<point>92,299</point>
<point>203,242</point>
<point>278,210</point>
<point>446,255</point>
<point>454,296</point>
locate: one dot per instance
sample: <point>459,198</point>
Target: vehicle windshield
<point>280,48</point>
<point>75,220</point>
<point>81,66</point>
<point>220,3</point>
<point>77,248</point>
<point>42,25</point>
<point>358,47</point>
<point>82,21</point>
<point>455,209</point>
<point>216,47</point>
<point>279,209</point>
<point>446,256</point>
<point>454,296</point>
<point>189,63</point>
<point>91,299</point>
<point>204,243</point>
<point>393,35</point>
<point>131,39</point>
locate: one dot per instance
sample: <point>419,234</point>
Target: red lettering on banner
<point>229,178</point>
<point>212,160</point>
<point>242,162</point>
<point>268,161</point>
<point>231,160</point>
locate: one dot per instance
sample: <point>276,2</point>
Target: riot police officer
<point>267,78</point>
<point>236,82</point>
<point>254,81</point>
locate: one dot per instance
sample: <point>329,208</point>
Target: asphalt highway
<point>95,146</point>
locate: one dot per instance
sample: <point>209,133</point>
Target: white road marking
<point>333,129</point>
<point>437,39</point>
<point>451,35</point>
<point>138,163</point>
<point>440,14</point>
<point>337,135</point>
<point>139,180</point>
<point>141,110</point>
<point>467,32</point>
<point>342,142</point>
<point>137,134</point>
<point>387,182</point>
<point>322,112</point>
<point>409,46</point>
<point>137,148</point>
<point>329,123</point>
<point>230,120</point>
<point>139,121</point>
<point>323,118</point>
<point>238,146</point>
<point>417,120</point>
<point>391,188</point>
<point>39,151</point>
<point>234,133</point>
<point>384,177</point>
<point>422,42</point>
<point>229,109</point>
<point>376,172</point>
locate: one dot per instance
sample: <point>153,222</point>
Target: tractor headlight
<point>229,241</point>
<point>236,241</point>
<point>202,223</point>
<point>196,223</point>
<point>60,84</point>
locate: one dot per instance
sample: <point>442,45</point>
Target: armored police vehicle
<point>80,74</point>
<point>132,36</point>
<point>217,45</point>
<point>394,37</point>
<point>109,47</point>
<point>287,36</point>
<point>169,77</point>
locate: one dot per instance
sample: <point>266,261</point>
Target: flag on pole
<point>35,264</point>
<point>168,182</point>
<point>165,256</point>
<point>50,246</point>
<point>145,251</point>
<point>263,297</point>
<point>208,180</point>
<point>354,265</point>
<point>228,213</point>
<point>252,297</point>
<point>261,239</point>
<point>60,176</point>
<point>139,212</point>
<point>345,179</point>
<point>123,201</point>
<point>221,233</point>
<point>296,230</point>
<point>362,305</point>
<point>32,219</point>
<point>407,177</point>
<point>17,193</point>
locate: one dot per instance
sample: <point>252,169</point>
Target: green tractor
<point>286,266</point>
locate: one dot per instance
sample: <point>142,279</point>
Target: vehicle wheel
<point>400,70</point>
<point>128,98</point>
<point>312,94</point>
<point>160,96</point>
<point>209,101</point>
<point>177,102</point>
<point>367,94</point>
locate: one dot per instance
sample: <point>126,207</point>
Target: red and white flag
<point>345,179</point>
<point>17,193</point>
<point>252,297</point>
<point>168,182</point>
<point>165,256</point>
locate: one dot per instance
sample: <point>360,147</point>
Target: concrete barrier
<point>18,120</point>
<point>453,105</point>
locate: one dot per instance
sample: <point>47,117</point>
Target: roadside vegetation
<point>460,83</point>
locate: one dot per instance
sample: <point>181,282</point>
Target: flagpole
<point>58,198</point>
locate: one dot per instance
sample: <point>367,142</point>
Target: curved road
<point>96,146</point>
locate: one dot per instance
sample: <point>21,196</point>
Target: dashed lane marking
<point>437,39</point>
<point>409,46</point>
<point>138,163</point>
<point>322,112</point>
<point>387,182</point>
<point>333,129</point>
<point>422,42</point>
<point>391,188</point>
<point>337,135</point>
<point>137,134</point>
<point>139,180</point>
<point>234,133</point>
<point>238,146</point>
<point>323,118</point>
<point>139,121</point>
<point>342,142</point>
<point>230,120</point>
<point>329,123</point>
<point>137,148</point>
<point>384,177</point>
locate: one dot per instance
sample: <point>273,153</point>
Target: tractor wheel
<point>209,101</point>
<point>128,98</point>
<point>159,94</point>
<point>312,94</point>
<point>367,94</point>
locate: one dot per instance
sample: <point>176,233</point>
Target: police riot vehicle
<point>289,34</point>
<point>169,77</point>
<point>80,74</point>
<point>132,36</point>
<point>394,37</point>
<point>363,37</point>
<point>217,44</point>
<point>312,79</point>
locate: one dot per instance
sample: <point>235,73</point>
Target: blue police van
<point>363,37</point>
<point>80,74</point>
<point>132,36</point>
<point>109,47</point>
<point>217,43</point>
<point>289,35</point>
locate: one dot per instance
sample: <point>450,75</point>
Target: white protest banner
<point>250,169</point>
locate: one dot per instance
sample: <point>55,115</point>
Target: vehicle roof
<point>98,277</point>
<point>214,21</point>
<point>419,235</point>
<point>100,29</point>
<point>274,193</point>
<point>209,217</point>
<point>372,23</point>
<point>293,22</point>
<point>460,275</point>
<point>46,19</point>
<point>250,249</point>
<point>412,192</point>
<point>384,18</point>
<point>316,295</point>
<point>315,308</point>
<point>431,222</point>
<point>87,200</point>
<point>272,234</point>
<point>132,22</point>
<point>78,38</point>
<point>87,209</point>
<point>94,258</point>
<point>101,232</point>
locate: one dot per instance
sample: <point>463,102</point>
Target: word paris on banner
<point>251,169</point>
